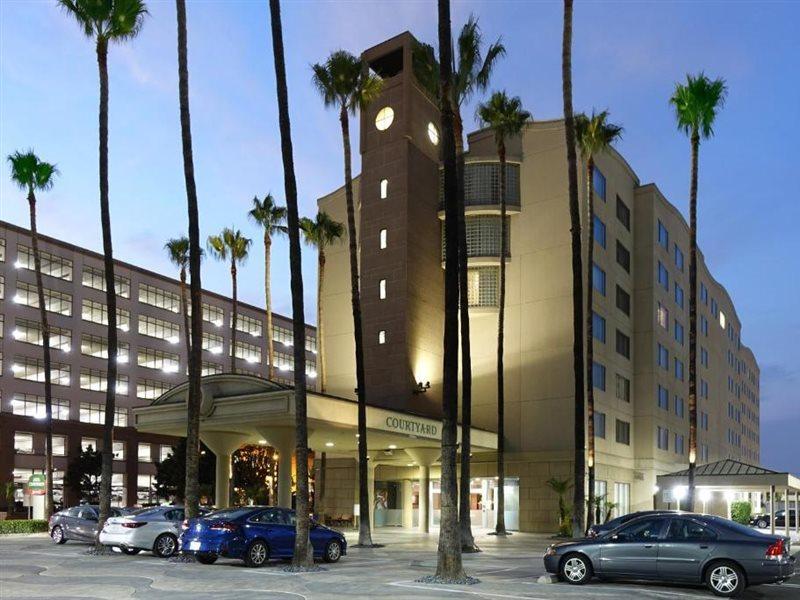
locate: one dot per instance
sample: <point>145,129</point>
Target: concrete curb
<point>547,579</point>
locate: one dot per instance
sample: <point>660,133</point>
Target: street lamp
<point>680,493</point>
<point>705,496</point>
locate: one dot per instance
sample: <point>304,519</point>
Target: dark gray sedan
<point>679,548</point>
<point>78,523</point>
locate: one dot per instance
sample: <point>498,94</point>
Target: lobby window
<point>678,258</point>
<point>384,189</point>
<point>599,376</point>
<point>662,438</point>
<point>679,444</point>
<point>59,445</point>
<point>678,369</point>
<point>88,444</point>
<point>663,276</point>
<point>678,329</point>
<point>599,182</point>
<point>623,213</point>
<point>30,332</point>
<point>382,336</point>
<point>663,398</point>
<point>680,406</point>
<point>160,298</point>
<point>663,357</point>
<point>623,257</point>
<point>623,344</point>
<point>622,498</point>
<point>143,453</point>
<point>32,369</point>
<point>23,443</point>
<point>96,380</point>
<point>382,289</point>
<point>600,425</point>
<point>59,303</point>
<point>382,239</point>
<point>384,118</point>
<point>52,265</point>
<point>119,450</point>
<point>96,279</point>
<point>623,388</point>
<point>31,405</point>
<point>598,327</point>
<point>623,432</point>
<point>164,452</point>
<point>678,295</point>
<point>623,301</point>
<point>599,231</point>
<point>150,389</point>
<point>662,316</point>
<point>598,279</point>
<point>663,235</point>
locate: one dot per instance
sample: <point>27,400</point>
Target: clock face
<point>433,134</point>
<point>384,118</point>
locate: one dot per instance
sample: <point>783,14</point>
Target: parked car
<point>685,548</point>
<point>255,534</point>
<point>762,521</point>
<point>78,523</point>
<point>155,529</point>
<point>603,528</point>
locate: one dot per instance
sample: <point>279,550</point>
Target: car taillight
<point>224,526</point>
<point>133,524</point>
<point>776,550</point>
<point>185,524</point>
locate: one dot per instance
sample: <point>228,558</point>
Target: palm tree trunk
<point>500,505</point>
<point>589,334</point>
<point>449,567</point>
<point>185,310</point>
<point>48,388</point>
<point>192,490</point>
<point>234,313</point>
<point>303,557</point>
<point>695,141</point>
<point>268,299</point>
<point>577,274</point>
<point>321,373</point>
<point>364,532</point>
<point>111,295</point>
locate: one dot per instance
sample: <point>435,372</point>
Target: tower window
<point>382,289</point>
<point>384,118</point>
<point>382,336</point>
<point>433,134</point>
<point>383,239</point>
<point>384,189</point>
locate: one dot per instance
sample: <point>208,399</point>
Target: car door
<point>86,523</point>
<point>175,518</point>
<point>684,549</point>
<point>632,550</point>
<point>270,525</point>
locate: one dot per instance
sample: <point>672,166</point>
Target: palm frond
<point>503,114</point>
<point>321,231</point>
<point>697,103</point>
<point>178,251</point>
<point>30,173</point>
<point>595,134</point>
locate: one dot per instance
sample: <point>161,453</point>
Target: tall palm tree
<point>696,104</point>
<point>192,490</point>
<point>344,82</point>
<point>506,117</point>
<point>231,245</point>
<point>594,134</point>
<point>178,254</point>
<point>321,233</point>
<point>105,22</point>
<point>577,275</point>
<point>32,174</point>
<point>271,218</point>
<point>303,556</point>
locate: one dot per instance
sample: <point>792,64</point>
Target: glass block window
<point>52,265</point>
<point>248,352</point>
<point>95,380</point>
<point>249,325</point>
<point>483,236</point>
<point>97,347</point>
<point>150,358</point>
<point>160,298</point>
<point>91,412</point>
<point>30,332</point>
<point>482,183</point>
<point>31,405</point>
<point>59,303</point>
<point>483,286</point>
<point>32,369</point>
<point>212,343</point>
<point>150,389</point>
<point>159,328</point>
<point>96,279</point>
<point>97,312</point>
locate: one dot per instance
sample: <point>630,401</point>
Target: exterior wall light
<point>422,387</point>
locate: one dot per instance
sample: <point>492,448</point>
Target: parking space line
<point>434,588</point>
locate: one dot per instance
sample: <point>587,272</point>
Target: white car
<point>153,529</point>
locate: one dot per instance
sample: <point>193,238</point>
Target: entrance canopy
<point>731,475</point>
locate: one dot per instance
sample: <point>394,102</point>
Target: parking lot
<point>32,567</point>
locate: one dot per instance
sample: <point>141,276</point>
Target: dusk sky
<point>627,58</point>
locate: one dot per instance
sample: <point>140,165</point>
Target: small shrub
<point>23,526</point>
<point>741,511</point>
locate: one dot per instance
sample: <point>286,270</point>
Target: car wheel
<point>725,579</point>
<point>57,535</point>
<point>256,554</point>
<point>165,545</point>
<point>762,524</point>
<point>130,551</point>
<point>576,569</point>
<point>207,558</point>
<point>333,551</point>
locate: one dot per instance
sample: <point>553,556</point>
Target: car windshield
<point>144,511</point>
<point>228,513</point>
<point>738,527</point>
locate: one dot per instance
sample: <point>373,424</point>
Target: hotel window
<point>160,298</point>
<point>600,424</point>
<point>96,380</point>
<point>32,369</point>
<point>384,189</point>
<point>2,324</point>
<point>678,258</point>
<point>23,443</point>
<point>679,406</point>
<point>55,302</point>
<point>663,398</point>
<point>663,235</point>
<point>284,362</point>
<point>150,358</point>
<point>598,279</point>
<point>95,413</point>
<point>703,325</point>
<point>210,368</point>
<point>59,445</point>
<point>704,421</point>
<point>623,257</point>
<point>97,312</point>
<point>2,250</point>
<point>623,388</point>
<point>704,453</point>
<point>623,432</point>
<point>382,289</point>
<point>96,279</point>
<point>282,335</point>
<point>662,438</point>
<point>483,286</point>
<point>623,344</point>
<point>150,389</point>
<point>384,118</point>
<point>88,444</point>
<point>211,314</point>
<point>159,328</point>
<point>714,307</point>
<point>97,347</point>
<point>249,325</point>
<point>598,327</point>
<point>52,265</point>
<point>164,452</point>
<point>663,357</point>
<point>678,369</point>
<point>703,388</point>
<point>599,376</point>
<point>30,332</point>
<point>622,498</point>
<point>31,405</point>
<point>144,453</point>
<point>248,352</point>
<point>703,294</point>
<point>722,319</point>
<point>678,295</point>
<point>704,357</point>
<point>623,213</point>
<point>145,484</point>
<point>119,450</point>
<point>599,231</point>
<point>662,316</point>
<point>623,301</point>
<point>599,183</point>
<point>678,329</point>
<point>663,276</point>
<point>382,239</point>
<point>214,343</point>
<point>679,444</point>
<point>382,336</point>
<point>2,287</point>
<point>433,134</point>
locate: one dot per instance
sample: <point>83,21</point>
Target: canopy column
<point>424,457</point>
<point>283,440</point>
<point>223,444</point>
<point>772,509</point>
<point>786,511</point>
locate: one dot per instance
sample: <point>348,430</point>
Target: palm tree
<point>577,275</point>
<point>192,490</point>
<point>32,174</point>
<point>321,233</point>
<point>696,105</point>
<point>178,254</point>
<point>345,82</point>
<point>303,556</point>
<point>506,117</point>
<point>107,21</point>
<point>231,244</point>
<point>594,134</point>
<point>270,217</point>
<point>561,487</point>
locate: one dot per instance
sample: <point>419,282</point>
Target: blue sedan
<point>255,534</point>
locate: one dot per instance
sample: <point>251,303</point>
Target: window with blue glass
<point>598,279</point>
<point>663,398</point>
<point>704,325</point>
<point>703,294</point>
<point>598,327</point>
<point>598,376</point>
<point>663,235</point>
<point>714,307</point>
<point>678,369</point>
<point>599,182</point>
<point>678,332</point>
<point>678,258</point>
<point>679,406</point>
<point>663,276</point>
<point>678,295</point>
<point>600,425</point>
<point>599,231</point>
<point>663,357</point>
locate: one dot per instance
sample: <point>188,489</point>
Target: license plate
<point>194,545</point>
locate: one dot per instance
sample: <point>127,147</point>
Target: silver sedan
<point>153,529</point>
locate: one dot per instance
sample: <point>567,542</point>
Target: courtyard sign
<point>36,484</point>
<point>412,427</point>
